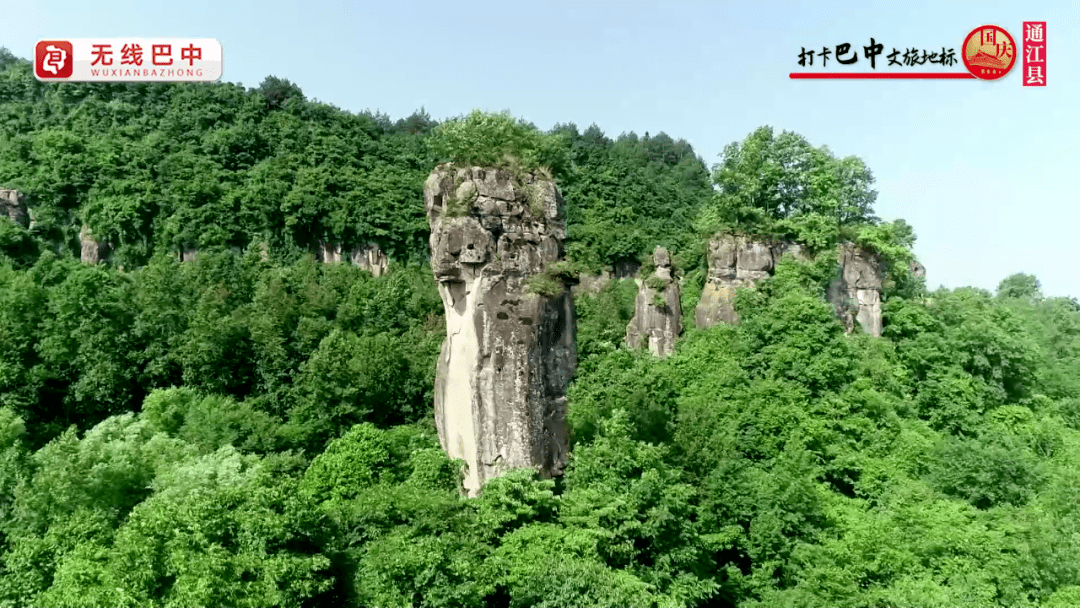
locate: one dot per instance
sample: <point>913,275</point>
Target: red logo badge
<point>989,52</point>
<point>53,59</point>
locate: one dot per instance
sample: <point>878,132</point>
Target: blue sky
<point>980,169</point>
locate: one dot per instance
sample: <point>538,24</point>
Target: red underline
<point>882,75</point>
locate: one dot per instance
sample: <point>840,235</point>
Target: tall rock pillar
<point>509,354</point>
<point>856,292</point>
<point>657,320</point>
<point>91,251</point>
<point>14,208</point>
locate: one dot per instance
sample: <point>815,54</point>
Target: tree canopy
<point>779,184</point>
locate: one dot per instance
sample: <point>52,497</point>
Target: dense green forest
<point>241,431</point>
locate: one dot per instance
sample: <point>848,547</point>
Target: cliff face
<point>500,386</point>
<point>595,283</point>
<point>742,261</point>
<point>369,257</point>
<point>657,320</point>
<point>917,269</point>
<point>14,208</point>
<point>91,251</point>
<point>736,261</point>
<point>856,293</point>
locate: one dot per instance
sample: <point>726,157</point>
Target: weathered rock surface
<point>329,253</point>
<point>14,208</point>
<point>592,283</point>
<point>917,269</point>
<point>371,258</point>
<point>189,254</point>
<point>856,292</point>
<point>625,269</point>
<point>500,387</point>
<point>657,320</point>
<point>742,261</point>
<point>92,251</point>
<point>735,261</point>
<point>368,256</point>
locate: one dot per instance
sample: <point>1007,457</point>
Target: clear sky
<point>980,169</point>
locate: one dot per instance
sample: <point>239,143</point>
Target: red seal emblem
<point>989,52</point>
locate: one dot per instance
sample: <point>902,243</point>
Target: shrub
<point>656,283</point>
<point>498,140</point>
<point>543,284</point>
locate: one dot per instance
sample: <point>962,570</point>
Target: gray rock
<point>368,256</point>
<point>656,326</point>
<point>592,284</point>
<point>735,261</point>
<point>92,251</point>
<point>189,254</point>
<point>625,269</point>
<point>856,292</point>
<point>742,261</point>
<point>329,252</point>
<point>371,258</point>
<point>917,269</point>
<point>13,206</point>
<point>501,378</point>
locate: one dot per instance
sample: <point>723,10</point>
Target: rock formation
<point>14,208</point>
<point>329,253</point>
<point>856,292</point>
<point>189,254</point>
<point>368,257</point>
<point>92,251</point>
<point>509,354</point>
<point>917,269</point>
<point>371,258</point>
<point>742,261</point>
<point>657,320</point>
<point>595,283</point>
<point>626,269</point>
<point>736,261</point>
<point>592,284</point>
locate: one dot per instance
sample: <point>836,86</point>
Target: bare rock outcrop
<point>91,251</point>
<point>595,283</point>
<point>856,292</point>
<point>13,206</point>
<point>371,258</point>
<point>368,257</point>
<point>917,269</point>
<point>737,260</point>
<point>657,320</point>
<point>329,252</point>
<point>742,261</point>
<point>592,284</point>
<point>509,354</point>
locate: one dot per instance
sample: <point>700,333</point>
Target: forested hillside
<point>246,431</point>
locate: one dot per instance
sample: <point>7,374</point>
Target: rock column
<point>509,354</point>
<point>91,251</point>
<point>14,208</point>
<point>657,320</point>
<point>856,293</point>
